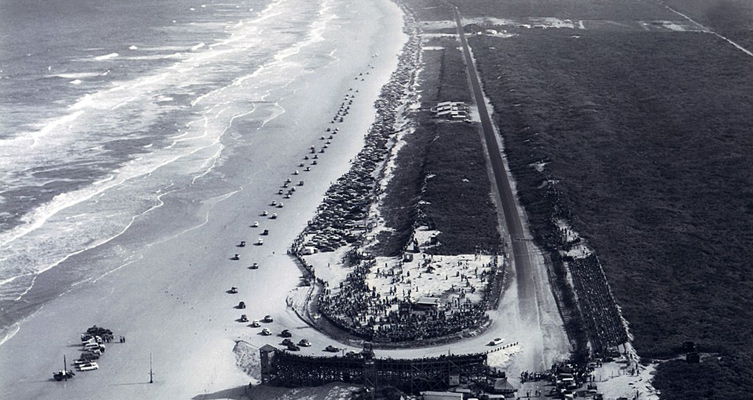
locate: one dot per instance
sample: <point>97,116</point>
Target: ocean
<point>106,107</point>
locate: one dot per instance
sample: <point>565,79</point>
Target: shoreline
<point>171,302</point>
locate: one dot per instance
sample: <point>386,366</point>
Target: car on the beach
<point>243,243</point>
<point>264,213</point>
<point>280,204</point>
<point>267,318</point>
<point>90,356</point>
<point>241,305</point>
<point>293,347</point>
<point>331,349</point>
<point>287,342</point>
<point>255,224</point>
<point>274,216</point>
<point>286,333</point>
<point>495,342</point>
<point>265,232</point>
<point>254,266</point>
<point>233,290</point>
<point>266,332</point>
<point>304,343</point>
<point>260,242</point>
<point>255,323</point>
<point>89,366</point>
<point>243,318</point>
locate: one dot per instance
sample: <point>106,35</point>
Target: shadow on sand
<point>234,393</point>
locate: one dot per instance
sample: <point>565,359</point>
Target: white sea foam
<point>77,75</point>
<point>74,222</point>
<point>106,57</point>
<point>173,56</point>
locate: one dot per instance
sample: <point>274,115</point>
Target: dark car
<point>331,349</point>
<point>287,342</point>
<point>286,333</point>
<point>293,347</point>
<point>267,318</point>
<point>304,343</point>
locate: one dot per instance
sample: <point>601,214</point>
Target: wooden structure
<point>283,368</point>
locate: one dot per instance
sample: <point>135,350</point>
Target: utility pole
<point>151,372</point>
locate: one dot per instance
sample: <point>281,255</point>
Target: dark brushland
<point>646,136</point>
<point>441,181</point>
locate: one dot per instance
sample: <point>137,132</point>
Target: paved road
<point>523,267</point>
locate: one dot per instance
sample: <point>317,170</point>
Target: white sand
<point>172,303</point>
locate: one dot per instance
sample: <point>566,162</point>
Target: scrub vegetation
<point>644,138</point>
<point>441,180</point>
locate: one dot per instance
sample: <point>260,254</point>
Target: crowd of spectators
<point>597,304</point>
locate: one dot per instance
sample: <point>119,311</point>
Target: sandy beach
<point>171,301</point>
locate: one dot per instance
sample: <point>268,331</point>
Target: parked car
<point>287,342</point>
<point>266,332</point>
<point>304,343</point>
<point>233,290</point>
<point>496,342</point>
<point>331,349</point>
<point>286,333</point>
<point>243,318</point>
<point>293,347</point>
<point>267,318</point>
<point>255,323</point>
<point>241,305</point>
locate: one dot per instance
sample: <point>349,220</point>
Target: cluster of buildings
<point>451,110</point>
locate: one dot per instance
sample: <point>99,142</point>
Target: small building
<point>427,303</point>
<point>452,110</point>
<point>267,355</point>
<point>504,388</point>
